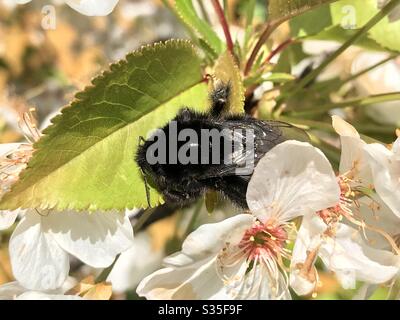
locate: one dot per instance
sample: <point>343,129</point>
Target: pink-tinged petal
<point>95,238</point>
<point>291,180</point>
<point>386,174</point>
<point>37,261</point>
<point>93,7</point>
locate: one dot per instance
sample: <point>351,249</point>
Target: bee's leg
<point>146,186</point>
<point>220,99</point>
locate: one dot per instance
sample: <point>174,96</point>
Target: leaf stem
<point>370,24</point>
<point>327,127</point>
<point>359,102</point>
<point>106,272</point>
<point>224,24</point>
<point>324,126</point>
<point>278,49</point>
<point>268,30</point>
<point>364,71</point>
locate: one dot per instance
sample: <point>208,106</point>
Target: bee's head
<point>149,170</point>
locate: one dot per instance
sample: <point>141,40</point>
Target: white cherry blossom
<point>15,291</point>
<point>42,240</point>
<point>385,167</point>
<point>342,236</point>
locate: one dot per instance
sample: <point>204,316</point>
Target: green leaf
<point>279,77</point>
<point>281,10</point>
<point>188,14</point>
<point>341,20</point>
<point>355,13</point>
<point>85,160</point>
<point>311,23</point>
<point>227,70</point>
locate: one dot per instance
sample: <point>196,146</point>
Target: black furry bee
<point>224,164</point>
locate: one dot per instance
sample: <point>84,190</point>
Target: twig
<point>268,30</point>
<point>224,24</point>
<point>364,71</point>
<point>278,49</point>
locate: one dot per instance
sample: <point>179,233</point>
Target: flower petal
<point>351,259</point>
<point>396,148</point>
<point>7,218</point>
<point>198,281</point>
<point>135,264</point>
<point>344,128</point>
<point>259,284</point>
<point>37,261</point>
<point>34,295</point>
<point>210,238</point>
<point>386,174</point>
<point>11,290</point>
<point>93,7</point>
<point>95,238</point>
<point>378,216</point>
<point>6,148</point>
<point>352,160</point>
<point>285,186</point>
<point>303,278</point>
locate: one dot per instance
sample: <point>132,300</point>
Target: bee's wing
<point>252,139</point>
<point>289,131</point>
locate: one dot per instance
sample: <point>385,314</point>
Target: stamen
<point>262,249</point>
<point>28,126</point>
